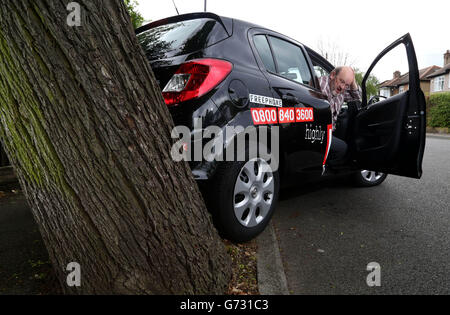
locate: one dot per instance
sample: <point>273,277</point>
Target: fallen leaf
<point>236,291</point>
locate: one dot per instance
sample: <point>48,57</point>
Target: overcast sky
<point>361,29</point>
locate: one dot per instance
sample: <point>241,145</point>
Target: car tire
<point>365,178</point>
<point>242,198</point>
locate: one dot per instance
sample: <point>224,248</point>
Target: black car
<point>232,73</point>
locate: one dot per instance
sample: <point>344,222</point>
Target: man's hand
<point>354,85</point>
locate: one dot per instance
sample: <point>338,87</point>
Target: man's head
<point>341,79</point>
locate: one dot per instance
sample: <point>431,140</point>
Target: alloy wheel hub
<point>253,192</point>
<point>371,176</point>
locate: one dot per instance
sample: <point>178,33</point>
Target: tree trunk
<point>86,128</point>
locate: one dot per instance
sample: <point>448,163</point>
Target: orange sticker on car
<point>286,115</point>
<point>329,139</point>
<point>304,115</point>
<point>264,116</point>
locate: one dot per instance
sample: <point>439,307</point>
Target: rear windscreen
<point>181,38</point>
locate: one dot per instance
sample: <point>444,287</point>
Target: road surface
<point>328,235</point>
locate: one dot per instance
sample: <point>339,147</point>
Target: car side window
<point>320,71</point>
<point>263,48</point>
<point>291,61</point>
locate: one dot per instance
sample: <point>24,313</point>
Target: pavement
<point>24,262</point>
<point>271,276</point>
<point>438,135</point>
<point>326,235</point>
<point>7,176</point>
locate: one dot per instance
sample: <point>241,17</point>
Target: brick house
<point>400,83</point>
<point>388,88</point>
<point>440,79</point>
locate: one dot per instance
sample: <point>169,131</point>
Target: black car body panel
<point>387,136</point>
<point>390,135</point>
<point>301,154</point>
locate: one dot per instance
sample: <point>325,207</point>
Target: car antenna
<point>205,5</point>
<point>175,7</point>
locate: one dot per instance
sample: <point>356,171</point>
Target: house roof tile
<point>424,75</point>
<point>441,71</point>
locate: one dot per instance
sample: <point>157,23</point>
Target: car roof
<point>227,23</point>
<point>315,57</point>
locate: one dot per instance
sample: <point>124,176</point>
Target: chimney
<point>447,58</point>
<point>397,74</point>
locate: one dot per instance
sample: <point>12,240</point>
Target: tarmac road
<point>328,235</point>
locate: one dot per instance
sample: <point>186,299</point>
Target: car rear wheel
<point>243,198</point>
<point>366,178</point>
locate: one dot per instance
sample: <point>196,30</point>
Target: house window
<point>402,89</point>
<point>385,92</point>
<point>438,84</point>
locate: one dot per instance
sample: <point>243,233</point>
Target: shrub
<point>439,114</point>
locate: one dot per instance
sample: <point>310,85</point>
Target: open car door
<point>389,135</point>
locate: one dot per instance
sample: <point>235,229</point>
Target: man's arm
<point>353,95</point>
<point>324,86</point>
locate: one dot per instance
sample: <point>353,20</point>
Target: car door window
<point>263,48</point>
<point>320,71</point>
<point>290,60</point>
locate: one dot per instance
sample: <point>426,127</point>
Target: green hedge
<point>439,114</point>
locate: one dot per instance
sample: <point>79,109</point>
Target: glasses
<point>342,83</point>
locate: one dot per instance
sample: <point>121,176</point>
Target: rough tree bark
<point>87,131</point>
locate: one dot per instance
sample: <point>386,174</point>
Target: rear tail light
<point>194,79</point>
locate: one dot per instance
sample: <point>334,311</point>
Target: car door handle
<point>290,99</point>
